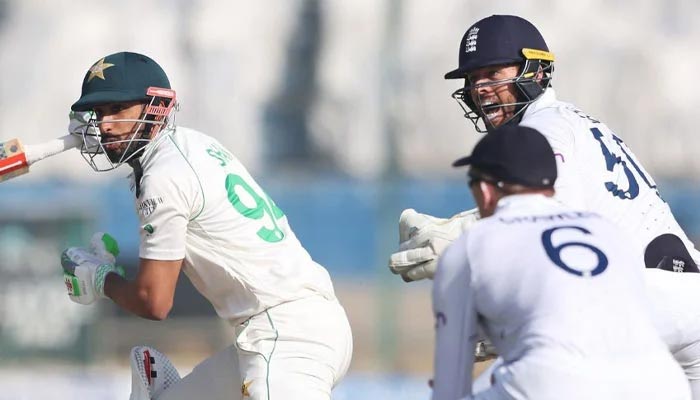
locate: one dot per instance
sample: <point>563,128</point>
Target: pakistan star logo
<point>149,228</point>
<point>97,70</point>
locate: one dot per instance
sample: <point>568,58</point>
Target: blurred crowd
<point>354,88</point>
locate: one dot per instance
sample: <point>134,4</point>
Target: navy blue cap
<point>514,154</point>
<point>668,252</point>
<point>496,40</point>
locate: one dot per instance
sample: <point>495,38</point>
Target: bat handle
<point>38,152</point>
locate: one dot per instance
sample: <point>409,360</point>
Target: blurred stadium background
<point>340,109</point>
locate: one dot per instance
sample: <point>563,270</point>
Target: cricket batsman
<point>203,214</point>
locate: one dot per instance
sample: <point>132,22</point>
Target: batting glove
<point>85,270</point>
<point>103,245</point>
<point>79,124</point>
<point>423,238</point>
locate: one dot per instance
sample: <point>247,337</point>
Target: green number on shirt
<point>263,207</point>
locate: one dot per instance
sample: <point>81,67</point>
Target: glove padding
<point>103,245</point>
<point>79,124</point>
<point>85,270</point>
<point>423,238</point>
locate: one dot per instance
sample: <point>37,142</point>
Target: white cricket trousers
<point>293,351</point>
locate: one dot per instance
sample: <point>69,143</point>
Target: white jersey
<point>598,172</point>
<point>559,294</point>
<point>197,202</point>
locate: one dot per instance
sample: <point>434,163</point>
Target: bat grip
<point>38,152</point>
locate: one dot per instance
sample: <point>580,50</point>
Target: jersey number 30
<point>554,252</point>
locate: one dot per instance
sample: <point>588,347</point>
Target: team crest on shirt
<point>149,229</point>
<point>146,207</point>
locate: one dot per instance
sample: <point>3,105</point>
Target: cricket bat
<point>15,158</point>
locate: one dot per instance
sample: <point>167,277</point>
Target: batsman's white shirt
<point>598,172</point>
<point>559,294</point>
<point>198,202</point>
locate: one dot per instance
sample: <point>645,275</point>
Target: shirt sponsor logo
<point>220,154</point>
<point>146,207</point>
<point>566,216</point>
<point>583,115</point>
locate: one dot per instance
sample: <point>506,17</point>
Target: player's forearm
<point>137,299</point>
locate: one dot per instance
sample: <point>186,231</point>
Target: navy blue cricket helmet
<point>503,40</point>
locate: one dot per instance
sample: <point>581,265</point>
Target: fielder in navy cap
<point>510,160</point>
<point>517,274</point>
<point>513,154</point>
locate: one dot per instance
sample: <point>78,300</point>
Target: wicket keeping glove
<point>423,238</point>
<point>85,270</point>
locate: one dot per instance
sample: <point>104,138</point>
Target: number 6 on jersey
<point>554,252</point>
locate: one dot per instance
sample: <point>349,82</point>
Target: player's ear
<point>484,188</point>
<point>489,198</point>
